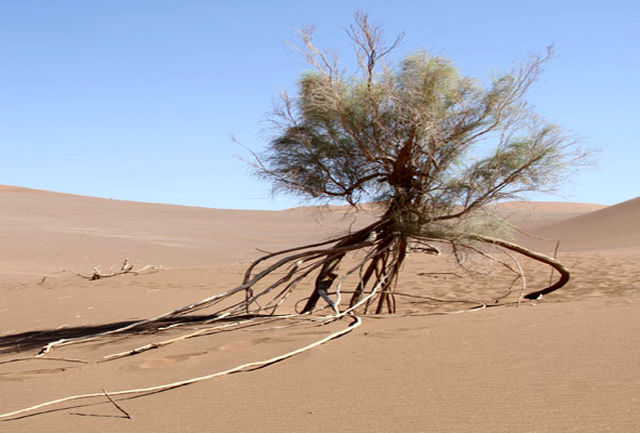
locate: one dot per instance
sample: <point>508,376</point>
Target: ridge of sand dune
<point>561,207</point>
<point>616,226</point>
<point>536,213</point>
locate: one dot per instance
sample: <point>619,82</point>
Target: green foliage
<point>404,134</point>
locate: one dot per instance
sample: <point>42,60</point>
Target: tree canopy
<point>410,135</point>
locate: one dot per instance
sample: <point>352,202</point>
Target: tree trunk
<point>327,276</point>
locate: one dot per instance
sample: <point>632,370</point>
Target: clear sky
<point>137,100</point>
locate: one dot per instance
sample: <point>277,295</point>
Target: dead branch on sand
<point>125,268</point>
<point>117,406</point>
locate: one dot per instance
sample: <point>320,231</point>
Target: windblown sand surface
<point>613,227</point>
<point>570,362</point>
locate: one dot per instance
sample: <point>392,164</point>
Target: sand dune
<point>43,231</point>
<point>532,214</point>
<point>615,226</point>
<point>567,363</point>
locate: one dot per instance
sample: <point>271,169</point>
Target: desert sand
<point>569,362</point>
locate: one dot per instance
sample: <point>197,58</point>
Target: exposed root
<point>559,267</point>
<point>157,388</point>
<point>384,252</point>
<point>377,271</point>
<point>199,332</point>
<point>31,358</point>
<point>379,252</point>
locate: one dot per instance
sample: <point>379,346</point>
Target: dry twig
<point>126,414</point>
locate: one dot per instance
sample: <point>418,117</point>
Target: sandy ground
<point>570,362</point>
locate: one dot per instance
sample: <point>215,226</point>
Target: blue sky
<point>137,100</point>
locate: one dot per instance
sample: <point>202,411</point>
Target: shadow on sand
<point>30,340</point>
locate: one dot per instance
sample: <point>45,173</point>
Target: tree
<point>403,137</point>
